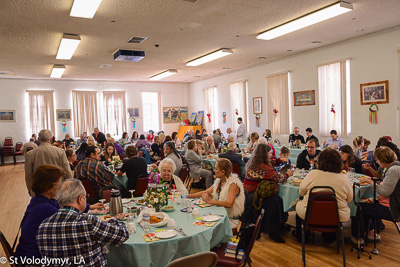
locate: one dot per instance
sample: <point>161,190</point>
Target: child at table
<point>283,160</point>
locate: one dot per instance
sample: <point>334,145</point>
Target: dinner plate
<point>210,218</point>
<point>125,200</point>
<point>166,234</point>
<point>169,209</point>
<point>199,202</point>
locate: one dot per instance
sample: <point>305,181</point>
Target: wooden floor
<point>14,199</point>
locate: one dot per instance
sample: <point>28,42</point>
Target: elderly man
<point>231,134</point>
<point>92,169</point>
<point>217,138</point>
<point>308,157</point>
<point>75,236</point>
<point>99,137</point>
<point>45,154</point>
<point>334,142</point>
<point>310,135</point>
<point>28,146</point>
<point>241,131</point>
<point>296,136</point>
<point>209,146</point>
<point>82,139</point>
<point>232,155</point>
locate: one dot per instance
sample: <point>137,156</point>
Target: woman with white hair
<point>167,168</point>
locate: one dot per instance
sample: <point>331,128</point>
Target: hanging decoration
<point>258,120</point>
<point>133,122</point>
<point>237,111</point>
<point>373,114</point>
<point>224,117</point>
<point>333,109</point>
<point>209,117</point>
<point>64,126</point>
<point>275,112</point>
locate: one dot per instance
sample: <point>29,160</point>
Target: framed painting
<point>134,112</point>
<point>257,105</point>
<point>192,118</point>
<point>374,93</point>
<point>63,114</point>
<point>174,114</point>
<point>199,117</point>
<point>7,116</point>
<point>304,98</point>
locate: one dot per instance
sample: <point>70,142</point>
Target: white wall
<point>13,96</point>
<point>374,58</point>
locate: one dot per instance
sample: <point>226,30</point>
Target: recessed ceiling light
<point>68,45</point>
<point>57,71</point>
<point>210,57</point>
<point>84,8</point>
<point>163,75</point>
<point>325,13</point>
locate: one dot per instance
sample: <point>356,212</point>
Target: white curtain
<point>85,111</point>
<point>41,111</point>
<point>278,98</point>
<point>209,108</point>
<point>333,94</point>
<point>239,103</point>
<point>114,112</point>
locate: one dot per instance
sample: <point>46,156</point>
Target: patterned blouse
<point>264,172</point>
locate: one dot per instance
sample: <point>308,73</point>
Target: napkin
<point>201,223</point>
<point>150,237</point>
<point>204,205</point>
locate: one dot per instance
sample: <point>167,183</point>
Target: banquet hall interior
<point>140,65</point>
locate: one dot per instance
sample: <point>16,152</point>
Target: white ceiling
<point>30,33</point>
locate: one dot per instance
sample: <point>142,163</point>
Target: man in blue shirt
<point>334,142</point>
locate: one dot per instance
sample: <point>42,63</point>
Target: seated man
<point>217,137</point>
<point>334,142</point>
<point>28,146</point>
<point>82,139</point>
<point>232,155</point>
<point>310,135</point>
<point>296,136</point>
<point>209,146</point>
<point>77,236</point>
<point>99,137</point>
<point>232,134</point>
<point>188,133</point>
<point>308,157</point>
<point>91,168</point>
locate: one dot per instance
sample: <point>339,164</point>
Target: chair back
<point>8,142</point>
<point>203,259</point>
<point>184,173</point>
<point>322,210</point>
<point>216,145</point>
<point>254,235</point>
<point>29,149</point>
<point>18,146</point>
<point>6,247</point>
<point>141,154</point>
<point>141,186</point>
<point>106,194</point>
<point>236,169</point>
<point>184,162</point>
<point>90,189</point>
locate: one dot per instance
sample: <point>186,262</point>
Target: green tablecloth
<point>120,180</point>
<point>242,146</point>
<point>212,162</point>
<point>136,252</point>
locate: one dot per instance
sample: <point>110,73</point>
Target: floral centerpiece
<point>116,162</point>
<point>297,143</point>
<point>156,193</point>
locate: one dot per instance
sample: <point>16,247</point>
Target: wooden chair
<point>184,173</point>
<point>322,215</point>
<point>7,248</point>
<point>203,259</point>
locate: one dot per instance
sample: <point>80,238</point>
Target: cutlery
<point>216,214</point>
<point>180,230</point>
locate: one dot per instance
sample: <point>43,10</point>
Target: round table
<point>136,252</point>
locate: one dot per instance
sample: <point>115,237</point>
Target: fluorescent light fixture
<point>210,57</point>
<point>57,71</point>
<point>163,75</point>
<point>84,8</point>
<point>307,20</point>
<point>68,45</point>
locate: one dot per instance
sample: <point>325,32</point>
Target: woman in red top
<point>150,136</point>
<point>259,168</point>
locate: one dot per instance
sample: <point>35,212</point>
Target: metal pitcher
<point>115,203</point>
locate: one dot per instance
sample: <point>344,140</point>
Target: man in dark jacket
<point>308,157</point>
<point>99,137</point>
<point>310,136</point>
<point>296,136</point>
<point>232,156</point>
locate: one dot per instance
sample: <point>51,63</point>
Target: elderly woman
<point>227,191</point>
<point>253,139</point>
<point>195,165</point>
<point>171,153</point>
<point>46,179</point>
<point>388,206</point>
<point>167,168</point>
<point>350,160</point>
<point>329,173</point>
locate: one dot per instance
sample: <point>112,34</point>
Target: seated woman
<point>108,154</point>
<point>156,149</point>
<point>195,165</point>
<point>171,153</point>
<point>134,167</point>
<point>259,168</point>
<point>329,173</point>
<point>176,139</point>
<point>349,160</point>
<point>67,140</point>
<point>250,146</point>
<point>143,145</point>
<point>167,168</point>
<point>388,206</point>
<point>268,135</point>
<point>358,144</point>
<point>46,179</point>
<point>135,137</point>
<point>71,156</point>
<point>227,191</point>
<point>91,141</point>
<point>125,139</point>
<point>150,136</point>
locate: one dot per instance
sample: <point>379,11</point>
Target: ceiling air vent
<point>137,40</point>
<point>105,66</point>
<point>128,55</point>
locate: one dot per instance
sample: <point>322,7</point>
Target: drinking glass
<point>351,173</point>
<point>102,200</point>
<point>132,191</point>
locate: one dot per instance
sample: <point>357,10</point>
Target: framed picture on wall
<point>7,116</point>
<point>374,93</point>
<point>257,105</point>
<point>304,98</point>
<point>134,112</point>
<point>174,114</point>
<point>193,117</point>
<point>199,117</point>
<point>63,114</point>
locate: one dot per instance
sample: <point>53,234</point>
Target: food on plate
<point>140,201</point>
<point>100,211</point>
<point>168,207</point>
<point>155,219</point>
<point>123,216</point>
<point>297,182</point>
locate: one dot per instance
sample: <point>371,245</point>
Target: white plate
<point>166,234</point>
<point>152,225</point>
<point>125,200</point>
<point>210,218</point>
<point>199,202</point>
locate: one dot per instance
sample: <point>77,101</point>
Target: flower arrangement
<point>116,162</point>
<point>297,143</point>
<point>186,122</point>
<point>156,193</point>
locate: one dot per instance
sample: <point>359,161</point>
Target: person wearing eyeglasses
<point>307,159</point>
<point>296,136</point>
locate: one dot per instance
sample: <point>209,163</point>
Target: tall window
<point>278,99</point>
<point>85,111</point>
<point>41,111</point>
<point>210,108</point>
<point>114,112</point>
<point>151,110</point>
<point>238,103</point>
<point>334,98</point>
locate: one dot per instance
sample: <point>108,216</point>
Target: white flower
<point>155,200</point>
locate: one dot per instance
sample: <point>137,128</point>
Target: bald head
<point>210,140</point>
